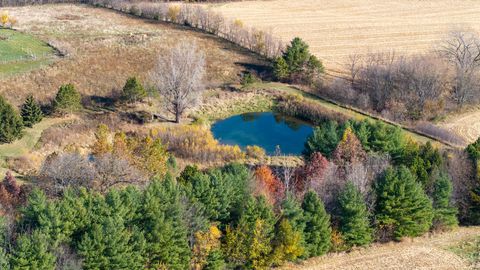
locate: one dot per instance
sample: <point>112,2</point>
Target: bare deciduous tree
<point>178,77</point>
<point>462,48</point>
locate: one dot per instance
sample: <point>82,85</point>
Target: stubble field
<point>337,29</point>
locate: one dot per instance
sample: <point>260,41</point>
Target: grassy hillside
<point>21,52</point>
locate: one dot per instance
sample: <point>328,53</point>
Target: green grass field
<point>21,52</point>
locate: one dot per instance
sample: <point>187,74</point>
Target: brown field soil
<point>428,252</point>
<point>466,125</point>
<point>104,48</point>
<point>337,29</point>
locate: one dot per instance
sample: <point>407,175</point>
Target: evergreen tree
<point>215,261</point>
<point>133,90</point>
<point>32,252</point>
<point>354,223</point>
<point>293,212</point>
<point>164,229</point>
<point>110,245</point>
<point>11,125</point>
<point>31,112</point>
<point>67,99</point>
<point>444,213</point>
<point>4,256</point>
<point>287,244</point>
<point>280,69</point>
<point>403,208</point>
<point>317,225</point>
<point>324,139</point>
<point>296,55</point>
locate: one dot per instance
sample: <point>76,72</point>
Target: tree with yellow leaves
<point>102,143</point>
<point>205,243</point>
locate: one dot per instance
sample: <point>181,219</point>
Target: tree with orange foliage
<point>268,185</point>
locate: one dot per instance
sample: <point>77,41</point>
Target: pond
<point>266,129</point>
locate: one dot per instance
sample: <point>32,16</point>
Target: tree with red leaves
<point>11,194</point>
<point>312,174</point>
<point>268,185</point>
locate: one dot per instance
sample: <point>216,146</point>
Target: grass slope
<point>27,142</point>
<point>20,52</point>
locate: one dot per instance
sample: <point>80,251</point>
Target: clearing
<point>103,48</point>
<point>428,252</point>
<point>21,52</point>
<point>336,29</point>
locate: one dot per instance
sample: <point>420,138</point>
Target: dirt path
<point>429,252</point>
<point>465,125</point>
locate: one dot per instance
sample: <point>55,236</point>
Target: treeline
<point>420,87</point>
<point>361,182</point>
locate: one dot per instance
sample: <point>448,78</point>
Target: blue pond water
<point>267,130</point>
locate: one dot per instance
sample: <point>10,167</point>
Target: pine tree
<point>317,225</point>
<point>354,223</point>
<point>31,112</point>
<point>4,256</point>
<point>67,99</point>
<point>324,139</point>
<point>11,124</point>
<point>280,69</point>
<point>133,90</point>
<point>444,213</point>
<point>403,208</point>
<point>110,245</point>
<point>215,261</point>
<point>164,229</point>
<point>32,252</point>
<point>287,245</point>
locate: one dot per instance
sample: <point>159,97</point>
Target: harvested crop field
<point>103,48</point>
<point>428,252</point>
<point>337,29</point>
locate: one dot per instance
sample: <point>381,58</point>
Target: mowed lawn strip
<point>20,52</point>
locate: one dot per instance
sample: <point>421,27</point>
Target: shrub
<point>197,143</point>
<point>307,110</point>
<point>11,124</point>
<point>31,112</point>
<point>67,99</point>
<point>256,152</point>
<point>248,79</point>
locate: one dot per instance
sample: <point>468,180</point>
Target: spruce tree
<point>67,99</point>
<point>32,251</point>
<point>164,228</point>
<point>31,112</point>
<point>4,256</point>
<point>11,124</point>
<point>109,245</point>
<point>444,213</point>
<point>403,208</point>
<point>324,139</point>
<point>354,222</point>
<point>317,230</point>
<point>133,90</point>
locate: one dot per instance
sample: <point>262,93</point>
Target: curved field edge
<point>432,251</point>
<point>21,52</point>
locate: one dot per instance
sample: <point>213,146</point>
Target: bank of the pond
<point>272,131</point>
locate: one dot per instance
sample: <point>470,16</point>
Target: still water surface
<point>266,129</point>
